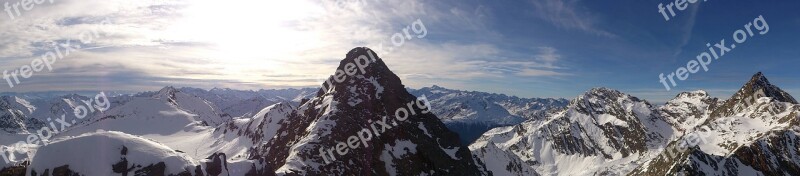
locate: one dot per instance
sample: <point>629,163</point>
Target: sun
<point>244,36</point>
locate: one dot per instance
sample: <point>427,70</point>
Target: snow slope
<point>109,153</point>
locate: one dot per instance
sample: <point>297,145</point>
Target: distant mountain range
<point>471,113</point>
<point>313,131</point>
<point>468,113</point>
<point>606,132</point>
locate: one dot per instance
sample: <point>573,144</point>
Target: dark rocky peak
<point>364,70</point>
<point>5,102</point>
<point>363,77</point>
<point>363,97</point>
<point>759,84</point>
<point>757,87</point>
<point>15,103</point>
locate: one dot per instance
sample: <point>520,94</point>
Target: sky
<point>526,48</point>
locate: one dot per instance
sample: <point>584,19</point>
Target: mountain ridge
<point>308,131</point>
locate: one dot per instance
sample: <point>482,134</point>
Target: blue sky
<point>532,48</point>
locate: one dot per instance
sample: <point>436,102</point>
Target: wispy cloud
<point>543,62</point>
<point>687,29</point>
<point>568,14</point>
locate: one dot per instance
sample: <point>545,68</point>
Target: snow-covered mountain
<point>366,122</point>
<point>602,131</point>
<point>35,113</point>
<point>475,107</point>
<point>755,132</point>
<point>245,103</point>
<point>161,115</point>
<point>471,113</point>
<point>605,132</point>
<point>14,115</point>
<point>689,109</point>
<point>181,122</point>
<point>183,132</point>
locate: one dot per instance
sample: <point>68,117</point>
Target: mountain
<point>35,113</point>
<point>236,137</point>
<point>502,162</point>
<point>602,131</point>
<point>754,132</point>
<point>689,109</point>
<point>289,95</point>
<point>605,132</point>
<point>757,87</point>
<point>357,102</point>
<point>160,116</point>
<point>178,121</point>
<point>245,103</point>
<point>176,131</point>
<point>14,115</point>
<point>48,95</point>
<point>364,121</point>
<point>21,118</point>
<point>471,113</point>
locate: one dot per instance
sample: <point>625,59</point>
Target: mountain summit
<point>601,132</point>
<point>364,122</point>
<point>606,132</point>
<point>755,132</point>
<point>760,83</point>
<point>757,87</point>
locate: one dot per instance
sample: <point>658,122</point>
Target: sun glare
<point>245,36</point>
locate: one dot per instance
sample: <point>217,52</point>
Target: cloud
<point>237,44</point>
<point>686,29</point>
<point>535,72</point>
<point>67,19</point>
<point>548,56</point>
<point>568,14</point>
